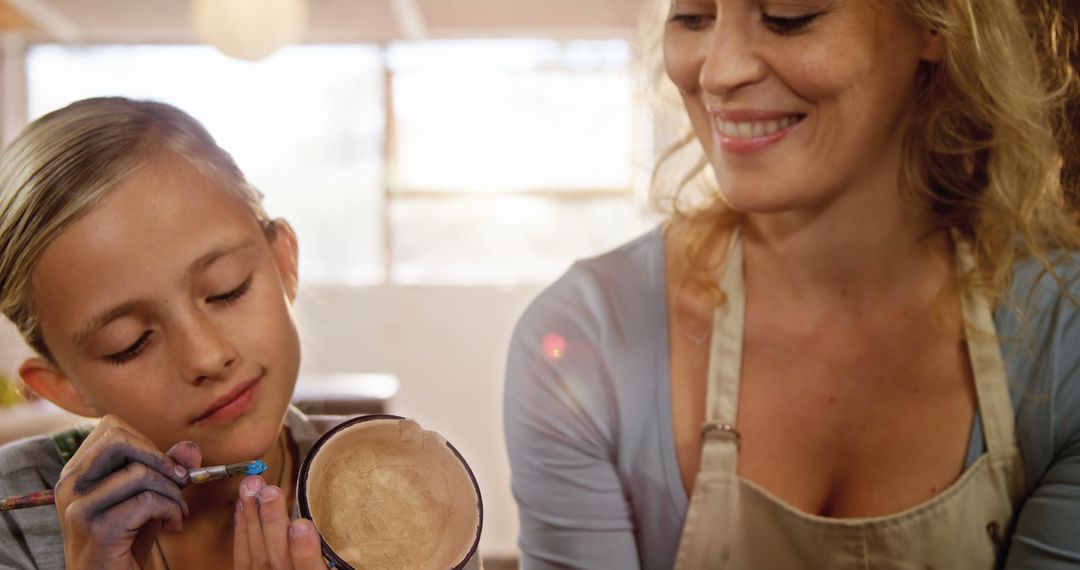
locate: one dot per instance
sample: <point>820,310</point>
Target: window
<point>450,162</point>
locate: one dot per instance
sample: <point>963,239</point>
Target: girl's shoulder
<point>37,454</point>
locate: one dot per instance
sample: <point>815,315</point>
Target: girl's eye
<point>786,25</point>
<point>132,351</point>
<point>693,22</point>
<point>231,296</point>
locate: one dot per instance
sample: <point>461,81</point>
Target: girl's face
<point>167,306</point>
<point>795,101</point>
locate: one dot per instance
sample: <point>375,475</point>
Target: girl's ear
<point>933,46</point>
<point>50,383</point>
<point>286,255</point>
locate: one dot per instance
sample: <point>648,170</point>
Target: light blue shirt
<point>589,429</point>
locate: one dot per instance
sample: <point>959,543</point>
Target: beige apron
<point>734,523</point>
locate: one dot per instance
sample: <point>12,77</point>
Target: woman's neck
<point>861,250</point>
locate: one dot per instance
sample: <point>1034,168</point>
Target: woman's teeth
<point>754,129</point>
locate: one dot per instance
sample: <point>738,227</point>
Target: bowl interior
<point>386,493</point>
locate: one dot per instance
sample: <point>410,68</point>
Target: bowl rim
<point>305,509</point>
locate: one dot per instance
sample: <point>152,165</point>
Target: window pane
<point>306,126</point>
<point>504,239</point>
<point>485,116</point>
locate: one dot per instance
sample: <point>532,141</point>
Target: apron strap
<point>721,439</point>
<point>987,365</point>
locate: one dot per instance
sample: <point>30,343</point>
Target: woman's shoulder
<point>622,283</point>
<point>1039,327</point>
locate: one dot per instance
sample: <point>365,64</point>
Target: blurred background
<point>440,160</point>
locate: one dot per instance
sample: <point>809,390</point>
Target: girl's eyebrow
<point>98,321</point>
<point>208,259</point>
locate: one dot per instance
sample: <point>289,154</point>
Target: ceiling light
<point>250,29</point>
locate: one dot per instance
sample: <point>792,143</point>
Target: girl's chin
<point>241,447</point>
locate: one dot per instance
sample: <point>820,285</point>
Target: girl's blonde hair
<point>68,161</point>
<point>985,153</point>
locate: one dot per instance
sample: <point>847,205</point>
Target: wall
<point>447,346</point>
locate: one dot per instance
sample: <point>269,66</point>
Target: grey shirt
<point>588,421</point>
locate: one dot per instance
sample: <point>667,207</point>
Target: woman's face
<point>167,306</point>
<point>796,101</point>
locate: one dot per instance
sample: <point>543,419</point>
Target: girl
<point>139,264</point>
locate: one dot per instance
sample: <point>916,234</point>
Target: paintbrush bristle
<point>246,468</point>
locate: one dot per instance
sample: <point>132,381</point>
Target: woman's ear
<point>933,46</point>
<point>50,383</point>
<point>286,256</point>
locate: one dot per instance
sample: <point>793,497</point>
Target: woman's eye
<point>231,296</point>
<point>693,22</point>
<point>132,351</point>
<point>788,25</point>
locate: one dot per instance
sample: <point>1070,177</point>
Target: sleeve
<point>1046,535</point>
<point>1046,532</point>
<point>25,533</point>
<point>573,509</point>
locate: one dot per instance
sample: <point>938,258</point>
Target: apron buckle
<point>709,429</point>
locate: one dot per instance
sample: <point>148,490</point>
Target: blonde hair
<point>984,154</point>
<point>66,162</point>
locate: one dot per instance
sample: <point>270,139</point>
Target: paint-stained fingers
<point>241,552</point>
<point>186,454</point>
<point>305,546</point>
<point>274,514</point>
<point>113,449</point>
<point>125,519</point>
<point>249,490</point>
<point>121,485</point>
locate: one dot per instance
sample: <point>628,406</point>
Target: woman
<point>140,265</point>
<point>861,351</point>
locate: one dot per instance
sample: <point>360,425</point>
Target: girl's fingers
<point>249,490</point>
<point>123,521</point>
<point>187,454</point>
<point>274,515</point>
<point>305,546</point>
<point>116,449</point>
<point>241,552</point>
<point>120,486</point>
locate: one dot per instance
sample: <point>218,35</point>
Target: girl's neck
<point>213,504</point>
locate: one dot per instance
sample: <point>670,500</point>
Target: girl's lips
<point>231,406</point>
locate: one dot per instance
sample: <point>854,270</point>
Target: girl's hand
<point>264,537</point>
<point>116,492</point>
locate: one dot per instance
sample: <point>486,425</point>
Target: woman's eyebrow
<point>98,321</point>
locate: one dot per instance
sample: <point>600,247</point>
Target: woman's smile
<point>746,131</point>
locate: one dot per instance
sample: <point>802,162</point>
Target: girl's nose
<point>206,352</point>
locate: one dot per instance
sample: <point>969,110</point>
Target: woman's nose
<point>733,59</point>
<point>206,352</point>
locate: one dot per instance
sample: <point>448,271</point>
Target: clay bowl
<point>388,494</point>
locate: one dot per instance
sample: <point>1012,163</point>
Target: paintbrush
<point>201,475</point>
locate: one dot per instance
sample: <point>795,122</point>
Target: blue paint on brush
<point>256,467</point>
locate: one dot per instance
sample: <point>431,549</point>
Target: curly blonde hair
<point>68,161</point>
<point>990,152</point>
